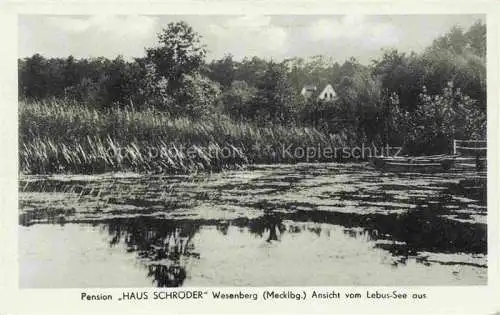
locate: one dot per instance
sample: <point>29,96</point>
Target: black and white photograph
<point>255,150</point>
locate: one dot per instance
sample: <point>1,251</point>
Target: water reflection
<point>155,240</point>
<point>270,224</point>
<point>166,246</point>
<point>167,276</point>
<point>167,223</point>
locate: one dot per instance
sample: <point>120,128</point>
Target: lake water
<point>285,225</point>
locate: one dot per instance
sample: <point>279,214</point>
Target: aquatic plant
<point>66,137</point>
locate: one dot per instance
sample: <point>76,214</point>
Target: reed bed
<point>66,137</point>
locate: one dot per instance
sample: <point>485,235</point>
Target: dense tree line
<point>411,99</point>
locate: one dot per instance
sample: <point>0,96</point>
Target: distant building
<point>308,91</point>
<point>311,91</point>
<point>328,93</point>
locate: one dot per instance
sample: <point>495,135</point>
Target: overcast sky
<point>276,37</point>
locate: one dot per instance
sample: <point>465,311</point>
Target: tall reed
<point>66,137</point>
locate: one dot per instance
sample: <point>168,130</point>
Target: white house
<point>328,93</point>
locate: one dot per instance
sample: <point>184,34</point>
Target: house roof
<point>317,92</point>
<point>328,87</point>
<point>309,87</point>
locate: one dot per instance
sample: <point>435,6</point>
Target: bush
<point>438,119</point>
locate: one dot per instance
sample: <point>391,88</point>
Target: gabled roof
<point>328,93</point>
